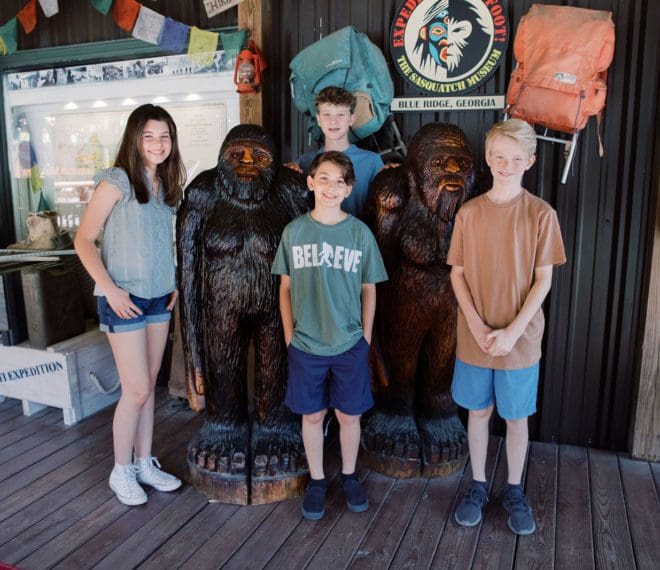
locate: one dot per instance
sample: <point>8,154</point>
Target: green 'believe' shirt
<point>327,266</point>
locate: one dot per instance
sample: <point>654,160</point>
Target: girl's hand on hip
<point>121,304</point>
<point>173,297</point>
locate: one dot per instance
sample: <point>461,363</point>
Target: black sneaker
<point>521,520</point>
<point>313,505</point>
<point>469,510</point>
<point>356,497</point>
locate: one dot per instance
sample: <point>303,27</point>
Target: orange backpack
<point>561,78</point>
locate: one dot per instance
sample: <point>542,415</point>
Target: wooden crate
<point>77,375</point>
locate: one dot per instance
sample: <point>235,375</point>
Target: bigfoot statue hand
<point>228,229</point>
<point>414,428</point>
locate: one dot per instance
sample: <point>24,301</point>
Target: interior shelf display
<point>64,123</point>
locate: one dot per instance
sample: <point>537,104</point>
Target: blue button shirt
<point>138,240</point>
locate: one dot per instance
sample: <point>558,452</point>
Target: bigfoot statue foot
<point>391,445</point>
<point>217,461</point>
<point>444,445</point>
<point>279,468</point>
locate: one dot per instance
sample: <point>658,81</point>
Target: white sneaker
<point>148,473</point>
<point>124,484</point>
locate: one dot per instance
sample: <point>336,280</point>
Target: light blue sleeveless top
<point>138,240</point>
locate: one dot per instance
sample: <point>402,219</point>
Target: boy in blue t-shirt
<point>335,114</point>
<point>329,264</point>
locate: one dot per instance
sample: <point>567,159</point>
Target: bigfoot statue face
<point>246,163</point>
<point>441,167</point>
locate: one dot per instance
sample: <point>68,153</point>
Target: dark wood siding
<point>596,304</point>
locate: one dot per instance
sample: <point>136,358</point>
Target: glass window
<point>66,123</point>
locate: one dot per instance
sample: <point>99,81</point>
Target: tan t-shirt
<point>499,246</point>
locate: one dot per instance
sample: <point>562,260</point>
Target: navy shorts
<point>153,311</point>
<point>347,390</point>
<point>513,391</point>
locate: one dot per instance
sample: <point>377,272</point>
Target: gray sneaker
<point>469,510</point>
<point>521,520</point>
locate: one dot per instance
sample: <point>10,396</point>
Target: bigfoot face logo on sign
<point>448,46</point>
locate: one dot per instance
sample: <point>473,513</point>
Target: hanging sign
<point>448,47</point>
<point>214,7</point>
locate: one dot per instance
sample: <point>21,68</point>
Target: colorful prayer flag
<point>125,12</point>
<point>27,16</point>
<point>174,36</point>
<point>233,41</point>
<point>149,26</point>
<point>49,7</point>
<point>102,6</point>
<point>8,37</point>
<point>202,46</point>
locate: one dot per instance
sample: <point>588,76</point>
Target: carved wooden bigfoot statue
<point>414,429</point>
<point>228,229</point>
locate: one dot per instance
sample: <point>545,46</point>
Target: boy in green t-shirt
<point>329,264</point>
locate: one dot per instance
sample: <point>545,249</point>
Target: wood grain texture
<point>574,532</point>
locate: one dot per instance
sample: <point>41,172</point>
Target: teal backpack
<point>348,59</point>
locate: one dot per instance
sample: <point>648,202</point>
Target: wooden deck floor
<point>594,509</point>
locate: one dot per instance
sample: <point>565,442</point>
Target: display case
<point>64,123</point>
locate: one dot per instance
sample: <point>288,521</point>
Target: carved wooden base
<point>282,488</point>
<point>231,481</point>
<point>397,467</point>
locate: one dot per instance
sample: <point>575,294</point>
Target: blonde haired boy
<point>504,245</point>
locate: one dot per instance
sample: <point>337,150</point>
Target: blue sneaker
<point>313,505</point>
<point>470,509</point>
<point>521,520</point>
<point>356,497</point>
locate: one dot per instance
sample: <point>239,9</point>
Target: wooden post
<point>254,15</point>
<point>646,431</point>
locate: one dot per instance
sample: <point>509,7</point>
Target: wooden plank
<point>612,541</point>
<point>227,539</point>
<point>44,496</point>
<point>138,546</point>
<point>301,544</point>
<point>253,14</point>
<point>655,468</point>
<point>496,546</point>
<point>421,537</point>
<point>104,531</point>
<point>23,426</point>
<point>58,521</point>
<point>185,543</point>
<point>379,546</point>
<point>281,522</point>
<point>646,430</point>
<point>60,449</point>
<point>343,541</point>
<point>574,532</point>
<point>10,413</point>
<point>537,550</point>
<point>25,437</point>
<point>457,544</point>
<point>643,511</point>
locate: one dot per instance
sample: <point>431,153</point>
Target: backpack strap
<point>599,120</point>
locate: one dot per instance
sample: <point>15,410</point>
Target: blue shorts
<point>349,389</point>
<point>153,311</point>
<point>514,391</point>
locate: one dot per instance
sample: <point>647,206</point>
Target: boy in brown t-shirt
<point>503,247</point>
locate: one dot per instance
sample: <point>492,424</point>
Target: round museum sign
<point>448,47</point>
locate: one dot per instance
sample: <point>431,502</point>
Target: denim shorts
<point>153,311</point>
<point>513,391</point>
<point>347,388</point>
